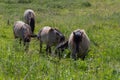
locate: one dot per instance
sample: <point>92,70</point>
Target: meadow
<point>99,18</point>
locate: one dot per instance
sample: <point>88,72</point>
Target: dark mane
<point>57,30</point>
<point>61,35</point>
<point>63,45</point>
<point>77,38</point>
<point>32,24</point>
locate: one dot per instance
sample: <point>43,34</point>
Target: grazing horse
<point>61,47</point>
<point>22,31</point>
<point>78,44</point>
<point>51,37</point>
<point>29,16</point>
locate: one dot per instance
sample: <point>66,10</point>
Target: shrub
<point>24,1</point>
<point>86,4</point>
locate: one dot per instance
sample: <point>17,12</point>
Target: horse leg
<point>49,49</point>
<point>74,55</point>
<point>84,55</point>
<point>20,41</point>
<point>40,46</point>
<point>26,46</point>
<point>46,49</point>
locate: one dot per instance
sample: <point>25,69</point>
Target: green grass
<point>99,18</point>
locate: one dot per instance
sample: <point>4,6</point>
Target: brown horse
<point>78,44</point>
<point>50,36</point>
<point>22,31</point>
<point>29,16</point>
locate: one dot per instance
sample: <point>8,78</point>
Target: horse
<point>78,44</point>
<point>29,17</point>
<point>51,37</point>
<point>22,31</point>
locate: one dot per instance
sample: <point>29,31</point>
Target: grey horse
<point>51,37</point>
<point>29,16</point>
<point>78,44</point>
<point>22,31</point>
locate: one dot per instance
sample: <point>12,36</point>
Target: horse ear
<point>82,34</point>
<point>73,33</point>
<point>51,29</point>
<point>57,33</point>
<point>55,28</point>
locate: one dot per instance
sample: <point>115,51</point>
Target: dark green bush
<point>86,4</point>
<point>24,1</point>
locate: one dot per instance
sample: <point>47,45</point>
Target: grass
<point>100,19</point>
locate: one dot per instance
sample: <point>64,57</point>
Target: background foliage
<point>99,18</point>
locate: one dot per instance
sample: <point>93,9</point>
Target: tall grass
<point>100,19</point>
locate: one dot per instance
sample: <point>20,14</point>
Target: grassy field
<point>99,18</point>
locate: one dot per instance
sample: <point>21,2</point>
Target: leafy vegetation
<point>99,18</point>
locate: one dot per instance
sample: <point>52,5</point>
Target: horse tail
<point>32,24</point>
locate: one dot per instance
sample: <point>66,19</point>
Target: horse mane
<point>77,38</point>
<point>32,24</point>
